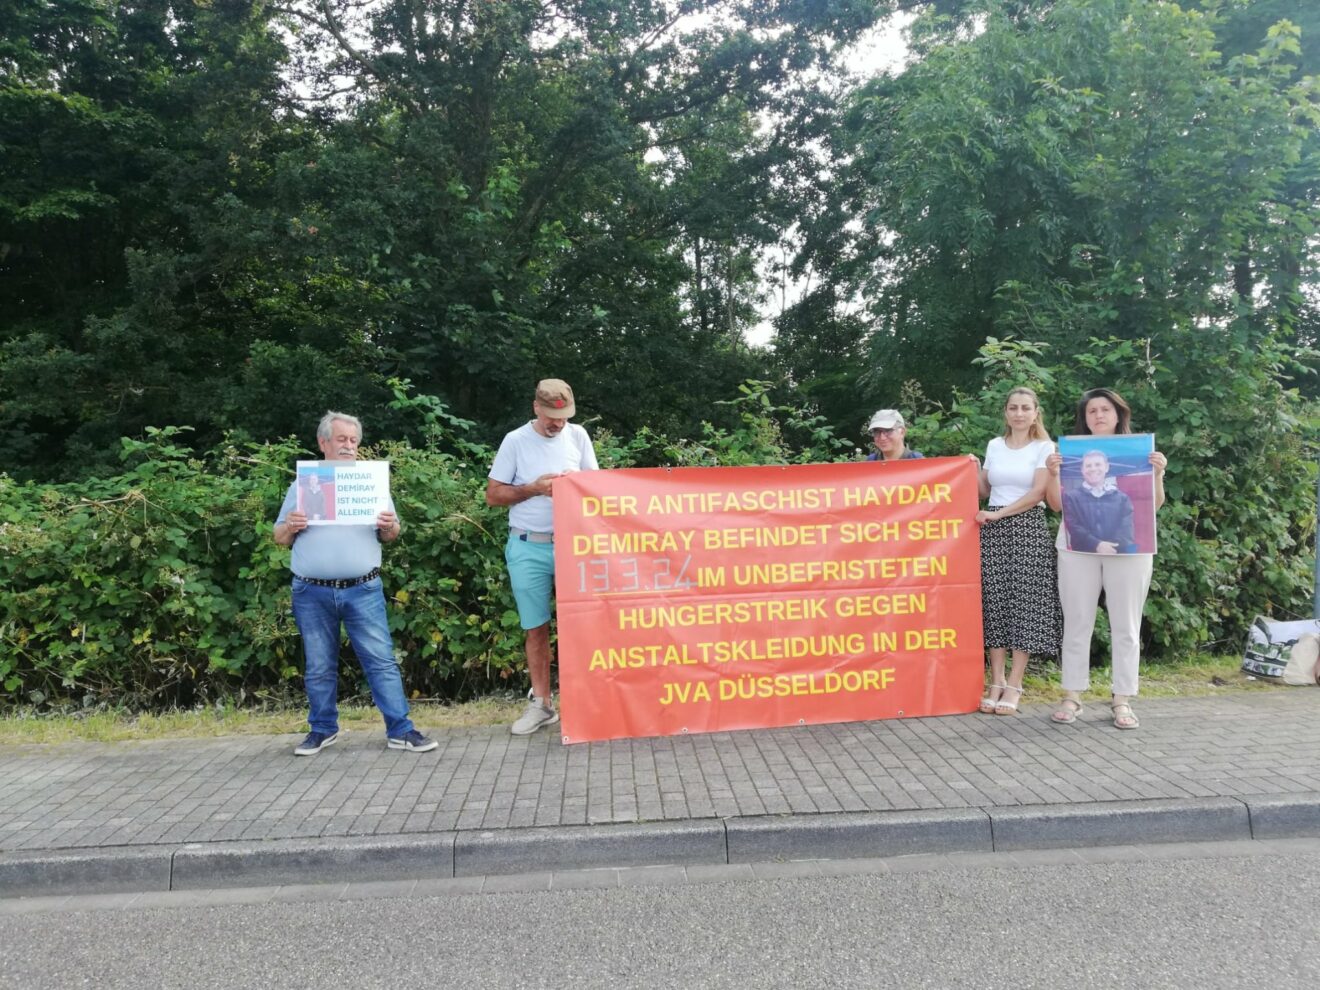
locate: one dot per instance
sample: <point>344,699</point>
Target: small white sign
<point>343,493</point>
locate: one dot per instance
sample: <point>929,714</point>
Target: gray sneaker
<point>538,714</point>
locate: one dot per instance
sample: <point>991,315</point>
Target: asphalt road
<point>1221,918</point>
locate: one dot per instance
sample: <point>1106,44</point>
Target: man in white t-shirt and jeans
<point>529,460</point>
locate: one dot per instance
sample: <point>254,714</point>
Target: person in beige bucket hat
<point>554,399</point>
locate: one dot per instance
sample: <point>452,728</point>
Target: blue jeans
<point>319,611</point>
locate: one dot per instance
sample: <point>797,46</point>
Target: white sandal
<point>988,703</point>
<point>1003,707</point>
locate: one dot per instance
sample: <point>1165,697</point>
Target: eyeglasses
<point>883,431</point>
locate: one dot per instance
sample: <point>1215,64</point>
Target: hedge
<point>161,586</point>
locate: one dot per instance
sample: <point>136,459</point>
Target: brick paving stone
<point>75,795</point>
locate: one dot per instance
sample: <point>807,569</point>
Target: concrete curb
<point>857,835</point>
<point>122,869</point>
<point>845,835</point>
<point>1284,816</point>
<point>285,861</point>
<point>1119,823</point>
<point>581,847</point>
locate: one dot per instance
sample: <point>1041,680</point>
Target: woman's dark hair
<point>1122,408</point>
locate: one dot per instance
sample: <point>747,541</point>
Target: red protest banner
<point>706,599</point>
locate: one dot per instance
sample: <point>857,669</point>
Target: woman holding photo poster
<point>1110,565</point>
<point>1019,596</point>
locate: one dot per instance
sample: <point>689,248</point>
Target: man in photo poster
<point>317,502</point>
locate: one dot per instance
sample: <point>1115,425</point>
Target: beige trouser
<point>1125,579</point>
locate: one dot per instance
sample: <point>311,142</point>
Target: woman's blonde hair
<point>1037,430</point>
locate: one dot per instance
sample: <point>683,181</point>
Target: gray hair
<point>325,429</point>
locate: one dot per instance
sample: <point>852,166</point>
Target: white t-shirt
<point>525,455</point>
<point>1011,472</point>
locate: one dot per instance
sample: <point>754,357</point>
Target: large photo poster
<point>707,599</point>
<point>1108,489</point>
<point>345,493</point>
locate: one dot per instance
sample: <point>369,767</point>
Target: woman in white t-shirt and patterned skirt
<point>1019,579</point>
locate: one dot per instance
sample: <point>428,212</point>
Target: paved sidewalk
<point>219,812</point>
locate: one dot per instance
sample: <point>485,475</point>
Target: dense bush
<point>162,585</point>
<point>157,583</point>
<point>1236,536</point>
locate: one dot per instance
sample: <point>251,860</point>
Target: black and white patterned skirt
<point>1020,585</point>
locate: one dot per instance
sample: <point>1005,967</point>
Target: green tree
<point>227,214</point>
<point>572,188</point>
<point>140,144</point>
<point>1086,168</point>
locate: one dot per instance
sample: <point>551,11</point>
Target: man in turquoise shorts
<point>529,460</point>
